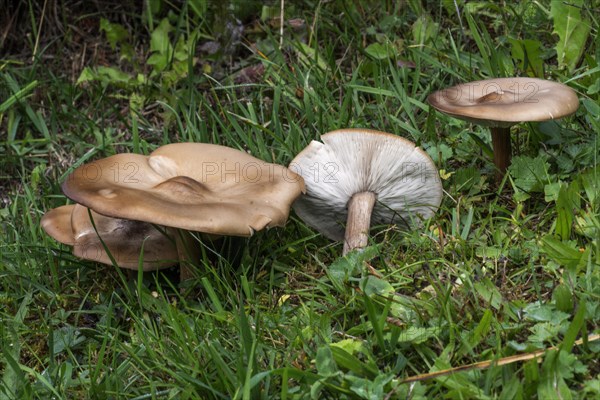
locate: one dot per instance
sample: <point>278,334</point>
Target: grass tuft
<point>500,273</point>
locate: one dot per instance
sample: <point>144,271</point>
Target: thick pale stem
<point>188,250</point>
<point>358,224</point>
<point>501,147</point>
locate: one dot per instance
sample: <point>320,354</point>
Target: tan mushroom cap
<point>57,224</point>
<point>506,101</point>
<point>124,239</point>
<point>193,186</point>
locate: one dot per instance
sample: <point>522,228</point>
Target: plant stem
<point>501,148</point>
<point>358,224</point>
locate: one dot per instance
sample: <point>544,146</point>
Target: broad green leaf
<point>591,107</point>
<point>542,332</point>
<point>417,335</point>
<point>374,286</point>
<point>351,346</point>
<point>159,40</point>
<point>552,383</point>
<point>106,76</point>
<point>352,363</point>
<point>568,200</point>
<point>370,389</point>
<point>554,388</point>
<point>380,51</point>
<point>461,385</point>
<point>489,293</point>
<point>269,12</point>
<point>376,319</point>
<point>529,174</point>
<point>571,30</point>
<point>564,222</point>
<point>118,36</point>
<point>531,373</point>
<point>66,338</point>
<point>588,224</point>
<point>159,61</point>
<point>86,75</point>
<point>467,178</point>
<point>594,88</point>
<point>307,55</point>
<point>563,298</point>
<point>482,145</point>
<point>574,328</point>
<point>424,30</point>
<point>562,253</point>
<point>513,389</point>
<point>545,313</point>
<point>590,180</point>
<point>528,53</point>
<point>569,196</point>
<point>345,267</point>
<point>591,388</point>
<point>115,33</point>
<point>473,338</point>
<point>439,152</point>
<point>551,191</point>
<point>324,362</point>
<point>489,252</point>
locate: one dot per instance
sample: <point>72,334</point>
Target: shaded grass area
<point>498,271</point>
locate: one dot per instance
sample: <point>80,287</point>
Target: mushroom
<point>503,102</point>
<point>359,177</point>
<point>124,239</point>
<point>192,186</point>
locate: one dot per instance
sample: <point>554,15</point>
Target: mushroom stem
<point>358,224</point>
<point>501,148</point>
<point>189,253</point>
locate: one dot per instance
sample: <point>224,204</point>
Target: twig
<point>490,363</point>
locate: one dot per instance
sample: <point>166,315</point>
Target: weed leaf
<point>571,30</point>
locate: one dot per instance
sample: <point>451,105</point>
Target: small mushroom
<point>360,177</point>
<point>125,239</point>
<point>503,102</point>
<point>57,224</point>
<point>192,186</point>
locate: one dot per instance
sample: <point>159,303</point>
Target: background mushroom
<point>359,177</point>
<point>193,186</point>
<point>503,102</point>
<point>125,239</point>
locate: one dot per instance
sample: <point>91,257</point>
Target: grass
<point>499,271</point>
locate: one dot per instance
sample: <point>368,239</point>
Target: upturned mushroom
<point>359,177</point>
<point>503,102</point>
<point>124,239</point>
<point>192,186</point>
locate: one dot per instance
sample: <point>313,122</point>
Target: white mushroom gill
<point>401,178</point>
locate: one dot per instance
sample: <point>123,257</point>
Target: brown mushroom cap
<point>124,239</point>
<point>57,224</point>
<point>506,101</point>
<point>193,186</point>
